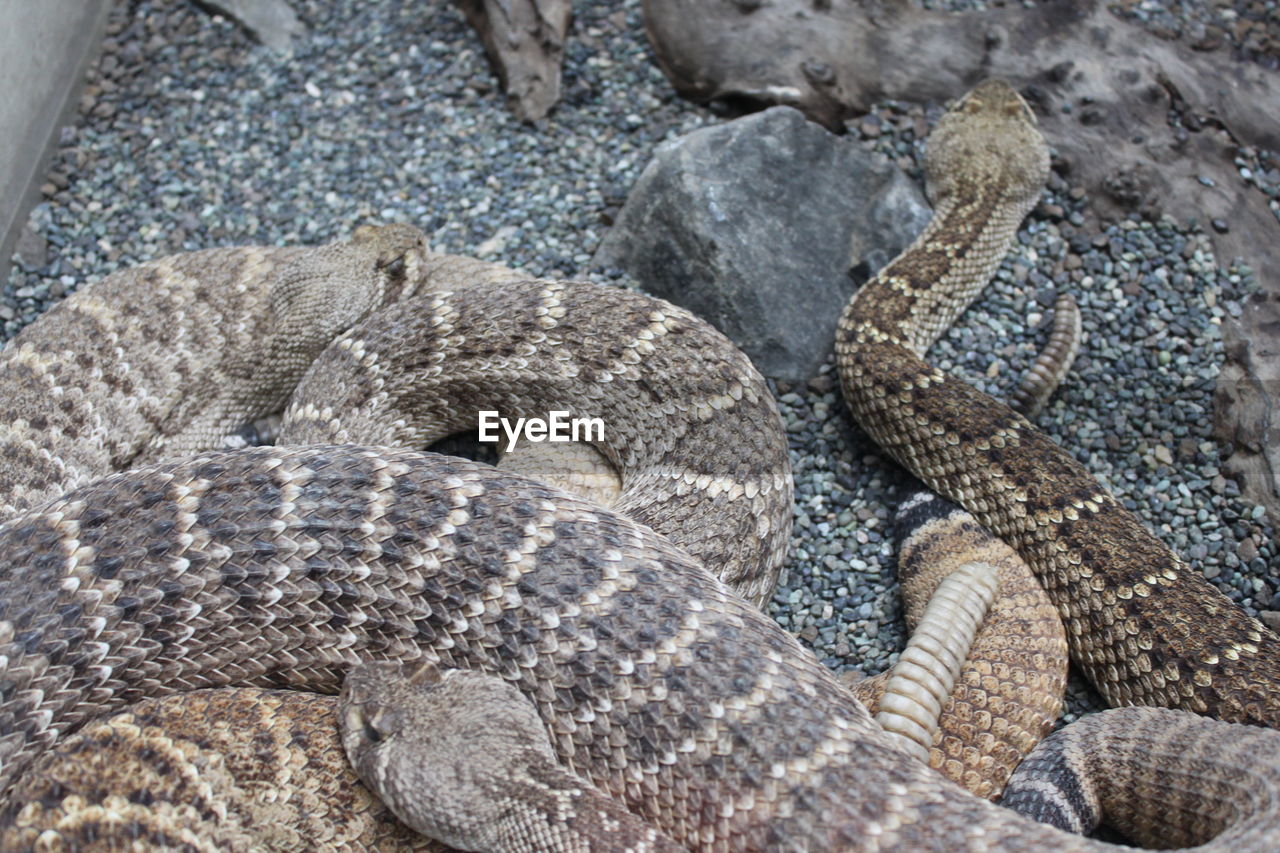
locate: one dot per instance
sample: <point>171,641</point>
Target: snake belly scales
<point>284,566</point>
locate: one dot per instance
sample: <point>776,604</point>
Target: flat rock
<point>765,226</point>
<point>271,22</point>
<point>1246,401</point>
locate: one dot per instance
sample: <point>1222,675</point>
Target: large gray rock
<point>764,226</point>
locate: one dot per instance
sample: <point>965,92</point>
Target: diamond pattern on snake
<point>132,583</point>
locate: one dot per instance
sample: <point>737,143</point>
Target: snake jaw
<point>363,698</point>
<point>438,746</point>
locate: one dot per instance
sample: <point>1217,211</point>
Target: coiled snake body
<point>286,566</point>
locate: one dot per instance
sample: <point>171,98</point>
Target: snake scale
<point>285,566</point>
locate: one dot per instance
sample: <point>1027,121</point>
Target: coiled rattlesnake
<point>280,566</point>
<point>991,162</point>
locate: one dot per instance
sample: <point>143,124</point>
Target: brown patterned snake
<point>166,359</point>
<point>1007,693</point>
<point>1144,627</point>
<point>982,678</point>
<point>656,683</point>
<point>285,566</point>
<point>470,737</point>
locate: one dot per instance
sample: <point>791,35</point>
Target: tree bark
<point>525,43</point>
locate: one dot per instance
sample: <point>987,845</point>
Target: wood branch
<point>1104,90</point>
<point>525,43</point>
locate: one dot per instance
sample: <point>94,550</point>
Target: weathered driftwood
<point>1104,90</point>
<point>1246,401</point>
<point>525,43</point>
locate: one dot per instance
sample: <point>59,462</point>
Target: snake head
<point>995,96</point>
<point>372,706</point>
<point>326,290</point>
<point>987,150</point>
<point>439,747</point>
<point>398,252</point>
<point>369,714</point>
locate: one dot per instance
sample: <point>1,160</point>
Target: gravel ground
<point>189,137</point>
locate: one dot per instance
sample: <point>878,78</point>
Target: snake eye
<point>395,269</point>
<point>357,720</point>
<point>371,732</point>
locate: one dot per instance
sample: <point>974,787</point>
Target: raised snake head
<point>988,141</point>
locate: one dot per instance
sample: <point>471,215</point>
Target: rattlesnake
<point>699,437</point>
<point>287,565</point>
<point>472,736</point>
<point>1144,627</point>
<point>167,358</point>
<point>986,168</point>
<point>667,691</point>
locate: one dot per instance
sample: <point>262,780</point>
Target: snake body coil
<point>668,692</point>
<point>285,567</point>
